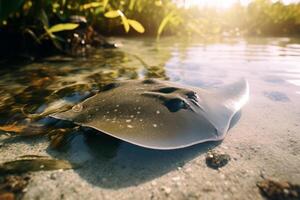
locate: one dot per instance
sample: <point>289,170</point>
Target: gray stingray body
<point>159,114</point>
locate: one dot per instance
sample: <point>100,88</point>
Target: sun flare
<point>223,4</point>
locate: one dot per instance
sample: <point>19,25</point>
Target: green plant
<point>127,23</point>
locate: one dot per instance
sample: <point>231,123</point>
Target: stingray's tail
<point>38,116</point>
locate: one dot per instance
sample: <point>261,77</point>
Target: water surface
<point>271,66</point>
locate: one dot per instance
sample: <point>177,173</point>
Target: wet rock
<point>13,187</point>
<point>166,190</point>
<point>216,160</point>
<point>274,190</point>
<point>15,183</point>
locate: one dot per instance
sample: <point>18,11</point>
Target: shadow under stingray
<point>111,163</point>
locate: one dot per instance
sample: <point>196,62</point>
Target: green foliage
<point>125,21</point>
<point>62,27</point>
<point>155,17</point>
<point>136,25</point>
<point>112,14</point>
<point>164,23</point>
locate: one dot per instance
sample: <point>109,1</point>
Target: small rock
<point>216,160</point>
<point>153,183</point>
<point>177,178</point>
<point>12,187</point>
<point>167,190</point>
<point>53,176</point>
<point>274,190</point>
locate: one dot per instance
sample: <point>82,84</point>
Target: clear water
<point>35,86</point>
<point>271,65</point>
<point>56,81</point>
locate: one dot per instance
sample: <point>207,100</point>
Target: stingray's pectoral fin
<point>221,104</point>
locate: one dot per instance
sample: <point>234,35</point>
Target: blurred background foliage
<point>43,19</point>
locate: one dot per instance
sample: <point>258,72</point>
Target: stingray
<point>160,114</point>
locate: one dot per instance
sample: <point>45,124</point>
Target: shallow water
<point>56,81</point>
<point>264,141</point>
<point>49,84</point>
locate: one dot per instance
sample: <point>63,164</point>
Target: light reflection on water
<point>274,60</point>
<point>34,88</point>
<point>216,62</point>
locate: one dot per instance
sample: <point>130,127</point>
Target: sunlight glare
<point>224,4</point>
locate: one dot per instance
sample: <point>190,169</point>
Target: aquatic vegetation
<point>12,186</point>
<point>32,163</point>
<point>12,128</point>
<point>160,114</point>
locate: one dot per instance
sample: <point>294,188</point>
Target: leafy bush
<point>42,19</point>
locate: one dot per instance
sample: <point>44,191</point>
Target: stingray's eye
<point>167,90</point>
<point>110,86</point>
<point>176,104</point>
<point>77,108</point>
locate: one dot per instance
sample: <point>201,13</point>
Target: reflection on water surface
<point>45,86</point>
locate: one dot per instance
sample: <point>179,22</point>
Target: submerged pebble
<point>274,190</point>
<point>216,160</point>
<point>166,190</point>
<point>13,187</point>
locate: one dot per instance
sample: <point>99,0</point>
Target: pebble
<point>177,178</point>
<point>53,176</point>
<point>216,160</point>
<point>153,183</point>
<point>167,190</point>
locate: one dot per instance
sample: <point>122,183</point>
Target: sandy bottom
<point>264,143</point>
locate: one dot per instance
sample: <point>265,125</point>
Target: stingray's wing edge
<point>222,103</point>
